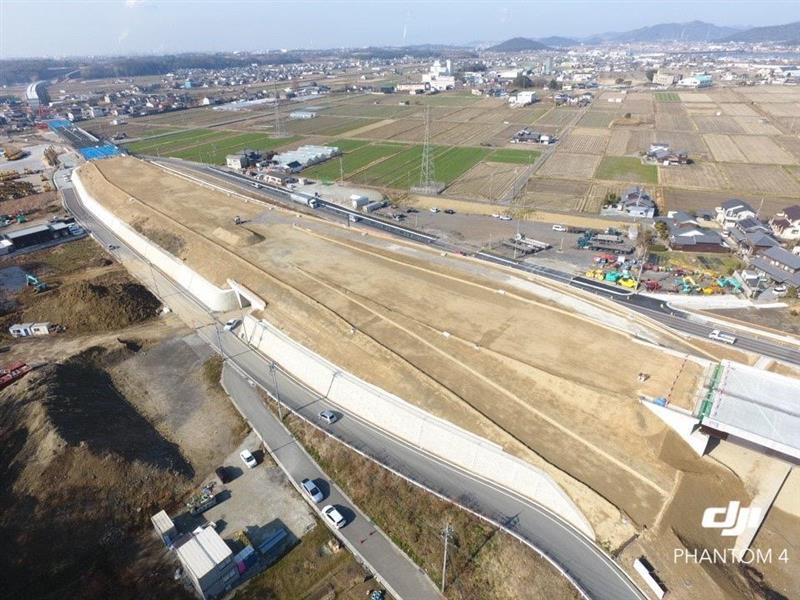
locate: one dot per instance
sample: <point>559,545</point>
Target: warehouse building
<point>304,156</point>
<point>37,234</point>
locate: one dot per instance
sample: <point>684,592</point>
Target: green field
<point>214,152</point>
<point>667,97</point>
<point>523,157</point>
<point>348,145</point>
<point>403,170</point>
<point>174,141</point>
<point>352,161</point>
<point>625,168</point>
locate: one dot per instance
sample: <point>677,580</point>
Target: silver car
<point>328,416</point>
<point>310,488</point>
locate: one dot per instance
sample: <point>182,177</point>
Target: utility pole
<point>277,394</point>
<point>447,533</point>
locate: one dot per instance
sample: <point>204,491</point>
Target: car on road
<point>232,324</point>
<point>334,516</point>
<point>328,416</point>
<point>257,186</point>
<point>310,488</point>
<point>411,210</point>
<point>449,211</point>
<point>558,227</point>
<point>434,209</point>
<point>505,218</point>
<point>721,336</point>
<point>113,247</point>
<point>495,216</point>
<point>248,459</point>
<point>354,219</point>
<point>223,474</point>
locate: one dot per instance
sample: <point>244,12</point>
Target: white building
<point>207,561</point>
<point>523,98</point>
<point>439,77</point>
<point>305,156</point>
<point>664,78</point>
<point>696,81</point>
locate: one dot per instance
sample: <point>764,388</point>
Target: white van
<point>559,228</point>
<point>727,338</point>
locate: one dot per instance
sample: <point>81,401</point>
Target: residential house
<point>751,236</point>
<point>664,155</point>
<point>636,202</point>
<point>732,211</point>
<point>686,235</point>
<point>780,265</point>
<point>786,224</point>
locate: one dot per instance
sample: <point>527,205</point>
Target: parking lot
<point>257,501</point>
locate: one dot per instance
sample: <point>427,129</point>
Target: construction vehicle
<point>37,284</point>
<point>203,500</point>
<point>13,372</point>
<point>613,276</point>
<point>22,218</point>
<point>628,283</point>
<point>652,285</point>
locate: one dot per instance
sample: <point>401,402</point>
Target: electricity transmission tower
<point>278,130</point>
<point>427,173</point>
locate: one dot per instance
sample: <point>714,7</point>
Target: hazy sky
<point>88,27</point>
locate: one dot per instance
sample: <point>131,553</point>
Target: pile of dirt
<point>95,305</point>
<point>81,472</point>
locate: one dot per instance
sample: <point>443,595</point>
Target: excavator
<point>37,284</point>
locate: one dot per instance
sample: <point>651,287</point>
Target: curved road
<point>593,571</point>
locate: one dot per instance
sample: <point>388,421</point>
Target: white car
<point>328,416</point>
<point>434,210</point>
<point>334,516</point>
<point>310,488</point>
<point>495,216</point>
<point>721,336</point>
<point>232,324</point>
<point>559,228</point>
<point>248,459</point>
<point>504,218</point>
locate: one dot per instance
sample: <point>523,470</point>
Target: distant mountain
<point>558,42</point>
<point>517,44</point>
<point>695,31</point>
<point>775,33</point>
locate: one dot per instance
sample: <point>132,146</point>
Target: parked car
<point>223,474</point>
<point>248,459</point>
<point>559,228</point>
<point>411,210</point>
<point>334,516</point>
<point>310,488</point>
<point>505,218</point>
<point>328,416</point>
<point>354,219</point>
<point>434,209</point>
<point>232,324</point>
<point>449,211</point>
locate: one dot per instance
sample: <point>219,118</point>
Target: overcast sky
<point>103,27</point>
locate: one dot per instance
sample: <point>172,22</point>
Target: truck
<point>12,372</point>
<point>357,201</point>
<point>373,206</point>
<point>312,202</point>
<point>609,238</point>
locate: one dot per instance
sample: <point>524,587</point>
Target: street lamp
<point>272,370</point>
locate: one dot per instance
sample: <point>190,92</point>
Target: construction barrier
<point>397,417</point>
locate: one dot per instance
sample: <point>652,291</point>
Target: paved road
<point>406,580</point>
<point>678,320</point>
<point>592,570</point>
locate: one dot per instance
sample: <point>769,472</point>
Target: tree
<point>522,81</point>
<point>662,230</point>
<point>650,73</point>
<point>554,85</point>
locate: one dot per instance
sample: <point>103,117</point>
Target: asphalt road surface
<point>406,580</point>
<point>590,568</point>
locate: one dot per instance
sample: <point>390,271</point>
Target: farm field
<point>177,140</point>
<point>761,179</point>
<point>514,156</point>
<point>597,118</point>
<point>618,142</point>
<point>559,117</point>
<point>761,149</point>
<point>689,200</point>
<point>696,175</point>
<point>555,194</point>
<point>487,180</point>
<point>622,168</point>
<point>584,141</point>
<point>723,148</point>
<point>214,152</point>
<point>570,166</point>
<point>667,97</point>
<point>673,120</point>
<point>352,161</point>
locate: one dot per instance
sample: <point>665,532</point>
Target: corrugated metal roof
<point>203,551</point>
<point>162,522</point>
<point>758,406</point>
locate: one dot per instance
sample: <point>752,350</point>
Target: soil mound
<point>237,236</point>
<point>96,305</point>
<point>81,471</point>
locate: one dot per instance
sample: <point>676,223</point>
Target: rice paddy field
<point>743,143</point>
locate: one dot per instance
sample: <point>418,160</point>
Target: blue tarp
<point>95,152</point>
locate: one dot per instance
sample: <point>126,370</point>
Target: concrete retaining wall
<point>213,297</point>
<point>411,424</point>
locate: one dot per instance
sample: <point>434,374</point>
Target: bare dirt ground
<point>547,385</point>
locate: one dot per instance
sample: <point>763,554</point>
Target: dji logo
<point>734,519</point>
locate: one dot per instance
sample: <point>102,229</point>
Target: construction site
<point>508,358</point>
